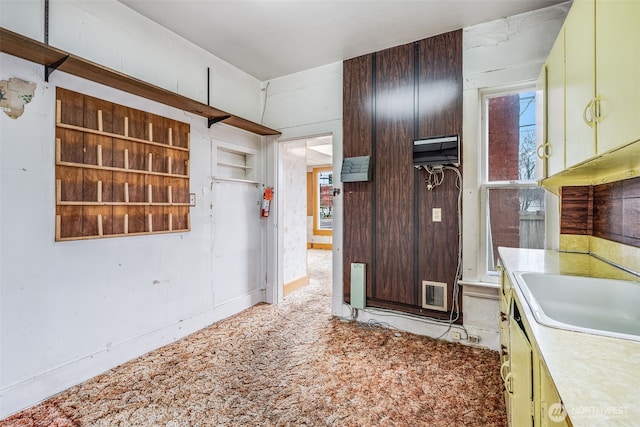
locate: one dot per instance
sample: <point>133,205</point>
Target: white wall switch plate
<point>192,199</point>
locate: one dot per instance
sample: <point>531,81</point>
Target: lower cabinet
<point>551,412</point>
<point>530,395</point>
<point>518,382</point>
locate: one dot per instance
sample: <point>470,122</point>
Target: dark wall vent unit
<point>440,150</point>
<point>356,169</point>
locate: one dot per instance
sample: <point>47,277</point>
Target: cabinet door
<point>504,329</point>
<point>552,413</point>
<point>505,304</point>
<point>618,69</point>
<point>555,106</point>
<point>579,81</point>
<point>519,381</point>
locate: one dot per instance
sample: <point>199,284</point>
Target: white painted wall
<point>294,193</point>
<point>71,310</point>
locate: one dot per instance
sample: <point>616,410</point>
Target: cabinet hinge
<point>532,408</point>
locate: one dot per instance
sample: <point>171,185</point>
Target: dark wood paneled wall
<point>609,211</point>
<point>440,113</point>
<point>576,214</point>
<point>616,211</point>
<point>358,99</point>
<point>393,175</point>
<point>392,97</point>
<point>440,85</point>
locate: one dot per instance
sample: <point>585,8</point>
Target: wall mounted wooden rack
<point>55,59</point>
<point>119,171</point>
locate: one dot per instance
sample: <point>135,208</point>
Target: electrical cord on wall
<point>435,177</point>
<point>264,105</point>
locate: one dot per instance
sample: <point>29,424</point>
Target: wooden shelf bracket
<point>214,120</point>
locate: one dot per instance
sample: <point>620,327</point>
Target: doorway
<point>306,201</point>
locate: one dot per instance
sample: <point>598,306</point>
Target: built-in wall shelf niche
<point>119,171</point>
<point>235,162</point>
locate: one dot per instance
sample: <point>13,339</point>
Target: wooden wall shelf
<point>55,59</point>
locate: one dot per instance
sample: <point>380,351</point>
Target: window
<point>512,202</point>
<point>323,201</point>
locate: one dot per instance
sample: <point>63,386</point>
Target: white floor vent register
<point>434,295</point>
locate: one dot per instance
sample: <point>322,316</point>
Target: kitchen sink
<point>609,307</point>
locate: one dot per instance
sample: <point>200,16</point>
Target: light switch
<point>192,199</point>
<point>436,215</point>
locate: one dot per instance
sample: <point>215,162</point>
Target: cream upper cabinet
<point>554,102</point>
<point>580,82</point>
<point>618,72</point>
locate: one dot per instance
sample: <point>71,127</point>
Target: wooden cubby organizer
<point>119,171</point>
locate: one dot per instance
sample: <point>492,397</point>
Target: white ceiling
<point>273,38</point>
<point>319,151</point>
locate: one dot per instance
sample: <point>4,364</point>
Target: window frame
<point>483,272</point>
<point>316,202</point>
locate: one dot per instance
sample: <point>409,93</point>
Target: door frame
<point>274,159</point>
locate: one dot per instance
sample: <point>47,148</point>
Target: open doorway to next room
<point>307,207</point>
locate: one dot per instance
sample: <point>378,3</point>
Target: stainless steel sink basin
<point>598,306</point>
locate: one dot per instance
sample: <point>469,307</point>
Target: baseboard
<point>295,284</point>
<point>21,395</point>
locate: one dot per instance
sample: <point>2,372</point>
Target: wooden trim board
<point>328,246</point>
<point>295,284</point>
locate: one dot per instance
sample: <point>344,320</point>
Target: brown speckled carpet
<point>289,365</point>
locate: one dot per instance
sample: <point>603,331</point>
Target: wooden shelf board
<point>23,47</point>
<point>121,137</point>
<point>144,233</point>
<point>114,169</point>
<point>32,50</point>
<point>81,203</point>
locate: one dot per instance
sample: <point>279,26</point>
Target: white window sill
<point>479,289</point>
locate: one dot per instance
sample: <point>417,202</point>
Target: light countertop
<point>597,377</point>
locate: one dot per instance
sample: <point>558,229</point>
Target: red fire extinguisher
<point>266,201</point>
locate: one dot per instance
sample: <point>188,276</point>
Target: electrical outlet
<point>474,339</point>
<point>436,215</point>
<point>455,336</point>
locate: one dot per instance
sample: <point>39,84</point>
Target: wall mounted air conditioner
<point>440,150</point>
